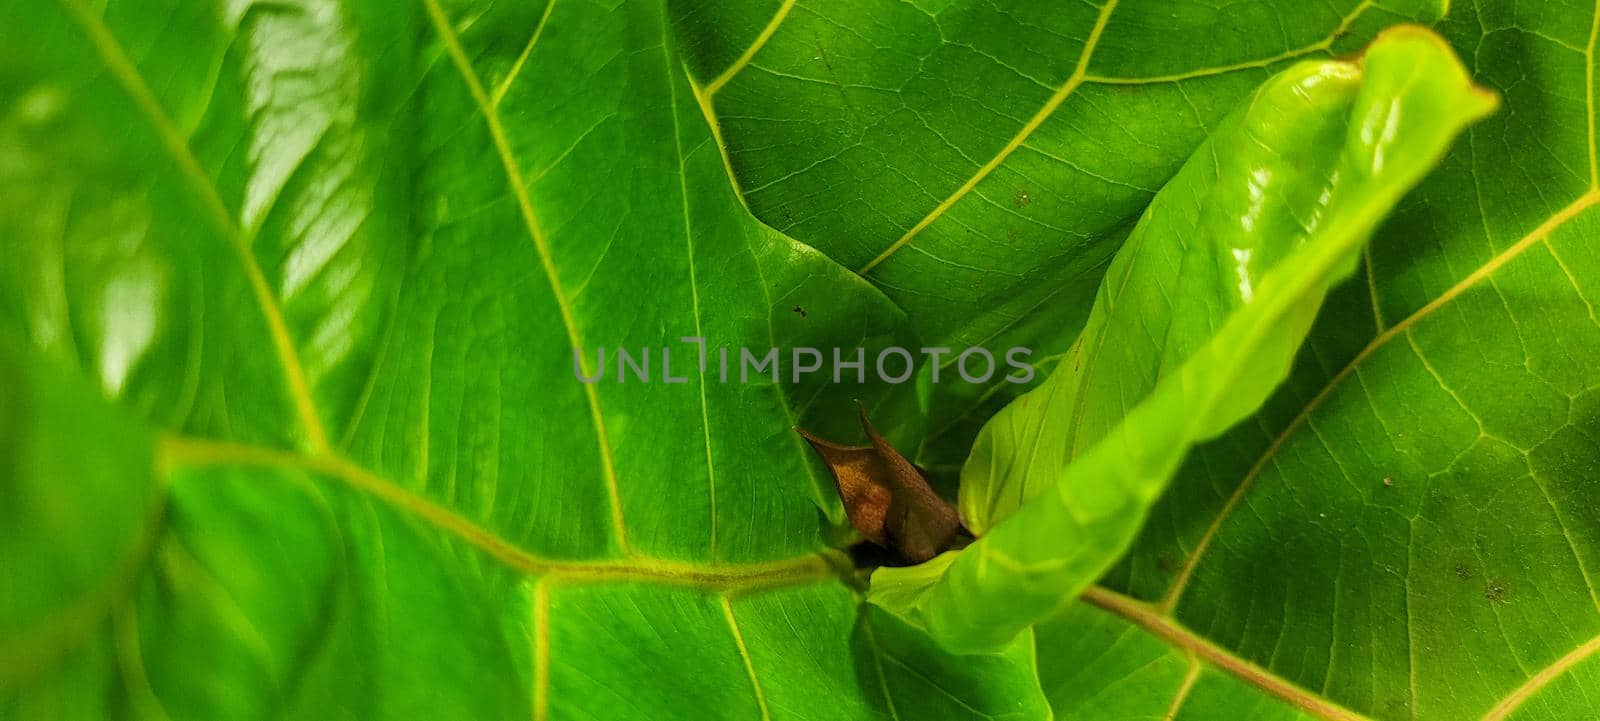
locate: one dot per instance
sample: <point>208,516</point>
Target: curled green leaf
<point>1196,323</point>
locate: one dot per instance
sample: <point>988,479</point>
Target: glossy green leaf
<point>982,161</point>
<point>288,423</point>
<point>1406,529</point>
<point>292,426</point>
<point>1146,669</point>
<point>1199,318</point>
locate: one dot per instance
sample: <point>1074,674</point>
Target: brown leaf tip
<point>887,497</point>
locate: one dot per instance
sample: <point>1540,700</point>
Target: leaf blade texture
<point>289,425</point>
<point>335,262</point>
<point>1248,239</point>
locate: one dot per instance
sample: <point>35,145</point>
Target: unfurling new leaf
<point>1253,232</point>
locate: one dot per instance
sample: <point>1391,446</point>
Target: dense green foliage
<point>289,293</point>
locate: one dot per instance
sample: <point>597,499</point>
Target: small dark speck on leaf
<point>801,311</point>
<point>1463,571</point>
<point>822,55</point>
<point>1496,592</point>
<point>1022,198</point>
<point>1388,481</point>
<point>1165,563</point>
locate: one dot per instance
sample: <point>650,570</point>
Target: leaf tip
<point>1425,47</point>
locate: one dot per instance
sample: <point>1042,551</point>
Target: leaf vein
<point>1060,96</point>
<point>694,295</point>
<point>636,569</point>
<point>127,75</point>
<point>522,58</point>
<point>519,191</point>
<point>1319,46</point>
<point>1536,236</point>
<point>1165,628</point>
<point>750,52</point>
<point>1184,688</point>
<point>744,655</point>
<point>1588,88</point>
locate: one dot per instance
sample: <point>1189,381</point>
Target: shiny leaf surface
<point>1198,321</point>
<point>289,293</point>
<point>1410,518</point>
<point>292,427</point>
<point>982,161</point>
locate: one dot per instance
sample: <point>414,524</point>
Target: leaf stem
<point>1167,629</point>
<point>711,577</point>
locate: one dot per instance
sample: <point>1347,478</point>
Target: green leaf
<point>1157,671</point>
<point>99,534</point>
<point>1406,529</point>
<point>1198,321</point>
<point>292,428</point>
<point>981,161</point>
<point>288,426</point>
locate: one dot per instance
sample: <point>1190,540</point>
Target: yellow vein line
<point>1516,698</point>
<point>522,58</point>
<point>1372,287</point>
<point>750,52</point>
<point>1189,680</point>
<point>542,247</point>
<point>1060,96</point>
<point>541,650</point>
<point>877,663</point>
<point>1538,235</point>
<point>1148,618</point>
<point>710,114</point>
<point>1588,57</point>
<point>1319,46</point>
<point>694,288</point>
<point>744,653</point>
<point>182,450</point>
<point>127,75</point>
